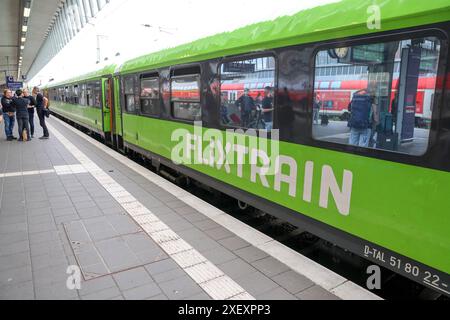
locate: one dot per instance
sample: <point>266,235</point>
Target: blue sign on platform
<point>13,86</point>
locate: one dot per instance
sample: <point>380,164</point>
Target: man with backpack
<point>41,108</point>
<point>363,117</point>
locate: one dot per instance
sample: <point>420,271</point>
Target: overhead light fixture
<point>22,47</point>
<point>23,39</point>
<point>26,12</point>
<point>24,28</point>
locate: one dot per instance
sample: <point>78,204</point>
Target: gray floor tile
<point>143,292</point>
<point>219,255</point>
<point>180,288</point>
<point>132,278</point>
<point>251,254</point>
<point>270,266</point>
<point>292,281</point>
<point>20,291</point>
<point>161,266</point>
<point>104,294</point>
<point>13,261</point>
<point>276,294</point>
<point>316,293</point>
<point>237,268</point>
<point>219,233</point>
<point>169,275</point>
<point>256,283</point>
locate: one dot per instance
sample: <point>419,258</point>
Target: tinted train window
<point>385,102</point>
<point>247,91</point>
<point>89,100</point>
<point>61,94</point>
<point>97,91</point>
<point>130,103</point>
<point>150,96</point>
<point>75,95</point>
<point>83,94</point>
<point>185,97</point>
<point>67,94</point>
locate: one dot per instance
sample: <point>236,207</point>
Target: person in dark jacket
<point>31,106</point>
<point>40,106</point>
<point>267,108</point>
<point>246,105</point>
<point>21,106</point>
<point>8,114</point>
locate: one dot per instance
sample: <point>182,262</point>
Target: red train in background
<point>335,95</point>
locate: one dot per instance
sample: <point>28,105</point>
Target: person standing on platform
<point>246,105</point>
<point>32,100</point>
<point>21,106</point>
<point>8,114</point>
<point>40,108</point>
<point>267,108</point>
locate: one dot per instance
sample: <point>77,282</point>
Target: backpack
<point>361,107</point>
<point>46,102</point>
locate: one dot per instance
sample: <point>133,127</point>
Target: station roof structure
<point>32,32</point>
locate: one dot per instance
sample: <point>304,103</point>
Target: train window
<point>185,97</point>
<point>66,94</point>
<point>247,91</point>
<point>378,105</point>
<point>96,94</point>
<point>89,95</point>
<point>149,96</point>
<point>83,100</point>
<point>75,95</point>
<point>130,102</point>
<point>61,94</point>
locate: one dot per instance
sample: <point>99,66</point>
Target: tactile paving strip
<point>220,287</point>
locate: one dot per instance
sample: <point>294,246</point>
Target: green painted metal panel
<point>89,116</point>
<point>400,207</point>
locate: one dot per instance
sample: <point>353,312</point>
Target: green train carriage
<point>387,201</point>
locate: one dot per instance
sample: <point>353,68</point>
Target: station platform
<point>71,202</point>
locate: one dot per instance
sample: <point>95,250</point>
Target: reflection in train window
<point>247,91</point>
<point>185,97</point>
<point>130,103</point>
<point>150,96</point>
<point>384,101</point>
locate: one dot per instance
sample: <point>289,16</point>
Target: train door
<point>107,110</point>
<point>117,120</point>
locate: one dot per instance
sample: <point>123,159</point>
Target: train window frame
<point>89,94</point>
<point>83,94</point>
<point>396,35</point>
<point>75,93</point>
<point>67,94</point>
<point>125,95</point>
<point>150,76</point>
<point>248,56</point>
<point>173,74</point>
<point>97,89</point>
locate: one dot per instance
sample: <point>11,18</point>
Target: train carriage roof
<point>336,20</point>
<point>106,71</point>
